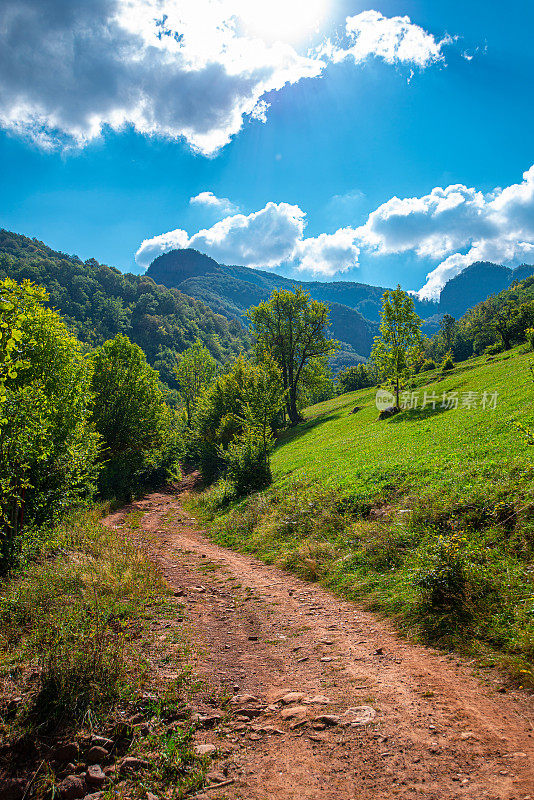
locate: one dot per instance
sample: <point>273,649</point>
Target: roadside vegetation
<point>77,600</point>
<point>77,656</point>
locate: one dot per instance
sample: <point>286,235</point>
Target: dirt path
<point>424,725</point>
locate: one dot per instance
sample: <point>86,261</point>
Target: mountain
<point>354,307</point>
<point>98,301</point>
<point>232,290</point>
<point>476,283</point>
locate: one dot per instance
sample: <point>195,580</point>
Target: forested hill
<point>98,302</point>
<point>233,290</point>
<point>230,290</point>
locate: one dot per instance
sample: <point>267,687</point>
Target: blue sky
<point>442,102</point>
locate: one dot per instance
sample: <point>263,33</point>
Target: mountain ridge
<point>354,307</point>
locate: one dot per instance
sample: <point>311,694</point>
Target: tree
<point>247,455</point>
<point>195,370</point>
<point>140,434</point>
<point>447,329</point>
<point>247,398</point>
<point>398,347</point>
<point>48,446</point>
<point>290,327</point>
<point>263,399</point>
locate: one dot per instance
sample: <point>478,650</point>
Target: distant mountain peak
<point>176,266</point>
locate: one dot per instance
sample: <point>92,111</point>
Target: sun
<point>284,20</point>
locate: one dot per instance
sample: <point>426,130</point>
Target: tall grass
<point>70,616</point>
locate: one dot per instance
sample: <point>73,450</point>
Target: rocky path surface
<point>328,703</point>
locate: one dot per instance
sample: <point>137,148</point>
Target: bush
<point>494,349</point>
<point>447,363</point>
<point>428,364</point>
<point>443,581</point>
<point>247,463</point>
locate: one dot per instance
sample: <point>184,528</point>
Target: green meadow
<point>443,452</point>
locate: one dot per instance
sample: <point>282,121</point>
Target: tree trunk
<point>292,410</point>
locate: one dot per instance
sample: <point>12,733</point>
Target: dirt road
<point>372,716</point>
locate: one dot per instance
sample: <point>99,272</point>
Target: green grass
<point>456,451</point>
<point>427,516</point>
<point>76,631</point>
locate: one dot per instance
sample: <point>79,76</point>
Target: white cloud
<point>454,226</point>
<point>265,238</point>
<point>174,68</point>
<point>328,253</point>
<point>396,40</point>
<point>457,225</point>
<point>152,248</point>
<point>191,69</point>
<point>221,205</point>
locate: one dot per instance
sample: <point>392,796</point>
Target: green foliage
<point>48,446</point>
<point>140,433</point>
<point>97,302</point>
<point>71,613</point>
<point>353,378</point>
<point>290,328</point>
<point>448,329</point>
<point>247,462</point>
<point>427,365</point>
<point>244,402</point>
<point>194,371</point>
<point>443,581</point>
<point>447,363</point>
<point>529,333</point>
<point>397,350</point>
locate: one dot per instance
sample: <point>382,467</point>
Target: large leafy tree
<point>48,446</point>
<point>194,371</point>
<point>398,347</point>
<point>140,434</point>
<point>291,328</point>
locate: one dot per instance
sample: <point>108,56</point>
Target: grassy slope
<point>449,453</point>
<point>428,516</point>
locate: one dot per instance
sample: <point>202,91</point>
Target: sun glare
<point>284,20</point>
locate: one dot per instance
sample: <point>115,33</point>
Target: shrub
<point>428,364</point>
<point>494,349</point>
<point>247,463</point>
<point>447,363</point>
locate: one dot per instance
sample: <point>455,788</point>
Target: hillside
<point>427,516</point>
<point>98,302</point>
<point>476,283</point>
<point>354,307</point>
<point>233,290</point>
